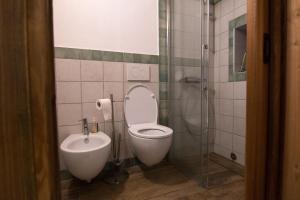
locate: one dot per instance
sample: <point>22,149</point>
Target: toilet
<point>150,141</point>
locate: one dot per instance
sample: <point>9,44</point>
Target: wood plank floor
<point>163,182</point>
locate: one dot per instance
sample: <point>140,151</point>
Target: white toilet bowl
<point>86,159</point>
<point>150,141</point>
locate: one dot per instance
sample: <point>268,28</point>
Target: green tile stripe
<point>163,63</point>
<point>86,54</point>
<point>215,1</point>
<point>237,76</point>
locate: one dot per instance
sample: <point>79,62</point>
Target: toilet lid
<point>140,106</point>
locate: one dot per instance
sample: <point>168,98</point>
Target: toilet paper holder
<point>116,141</point>
<point>117,172</point>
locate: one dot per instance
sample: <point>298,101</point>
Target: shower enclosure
<point>191,114</point>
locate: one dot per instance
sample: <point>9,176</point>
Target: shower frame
<point>205,18</point>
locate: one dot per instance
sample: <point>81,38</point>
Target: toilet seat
<point>150,131</point>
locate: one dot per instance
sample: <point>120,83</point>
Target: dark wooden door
<point>265,80</point>
<point>28,157</point>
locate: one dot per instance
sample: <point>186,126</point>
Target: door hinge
<point>266,48</point>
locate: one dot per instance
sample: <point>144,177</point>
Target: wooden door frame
<point>265,83</point>
<point>28,62</point>
<point>28,152</point>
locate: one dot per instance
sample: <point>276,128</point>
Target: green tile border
<point>88,54</point>
<point>237,76</point>
<point>215,1</point>
<point>163,63</point>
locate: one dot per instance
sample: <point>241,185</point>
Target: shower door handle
<point>204,47</point>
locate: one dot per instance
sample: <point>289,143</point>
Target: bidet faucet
<point>85,127</point>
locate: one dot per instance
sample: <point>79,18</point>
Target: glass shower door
<point>188,85</point>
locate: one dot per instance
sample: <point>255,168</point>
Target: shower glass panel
<point>189,52</point>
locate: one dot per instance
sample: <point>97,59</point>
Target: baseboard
<point>228,164</point>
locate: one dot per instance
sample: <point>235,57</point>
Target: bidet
<point>85,159</point>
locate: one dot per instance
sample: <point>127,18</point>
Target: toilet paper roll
<point>104,105</point>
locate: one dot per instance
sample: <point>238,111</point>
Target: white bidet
<point>85,158</point>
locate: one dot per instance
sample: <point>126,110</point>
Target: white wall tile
<point>91,91</point>
<point>115,88</point>
<point>217,59</point>
<point>218,137</point>
<point>216,91</point>
<point>113,71</point>
<point>224,57</point>
<point>240,158</point>
<point>65,131</point>
<point>126,150</point>
<point>226,90</point>
<point>227,6</point>
<point>101,127</point>
<point>226,107</point>
<point>225,123</point>
<point>217,42</point>
<point>217,26</point>
<point>91,70</point>
<point>216,74</point>
<point>224,74</point>
<point>238,3</point>
<point>68,92</point>
<point>154,73</point>
<point>154,87</point>
<point>211,76</point>
<point>176,90</point>
<point>224,40</point>
<point>192,72</point>
<point>222,151</point>
<point>224,23</point>
<point>67,70</point>
<point>90,112</point>
<point>119,129</point>
<point>240,11</point>
<point>226,140</point>
<point>118,111</point>
<point>68,114</point>
<point>239,126</point>
<point>217,106</point>
<point>239,144</point>
<point>240,108</point>
<point>217,10</point>
<point>240,90</point>
<point>211,135</point>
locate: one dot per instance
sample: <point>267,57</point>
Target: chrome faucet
<point>85,127</point>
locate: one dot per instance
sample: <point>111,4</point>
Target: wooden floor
<point>163,182</point>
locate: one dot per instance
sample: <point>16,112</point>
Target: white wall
<point>111,25</point>
<point>230,97</point>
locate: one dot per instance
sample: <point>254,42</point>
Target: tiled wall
<point>230,97</point>
<point>79,82</point>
